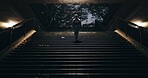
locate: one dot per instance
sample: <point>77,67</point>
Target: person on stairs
<point>76,26</point>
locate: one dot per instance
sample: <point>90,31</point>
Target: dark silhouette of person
<point>76,26</point>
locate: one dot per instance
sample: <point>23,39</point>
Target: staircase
<point>54,55</point>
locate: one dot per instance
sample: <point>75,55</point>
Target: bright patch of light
<point>133,26</point>
<point>88,32</point>
<point>136,27</point>
<point>140,23</point>
<point>63,37</point>
<point>90,19</point>
<point>8,24</point>
<point>76,7</point>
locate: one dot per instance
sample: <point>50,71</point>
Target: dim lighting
<point>141,24</point>
<point>8,24</point>
<point>74,1</point>
<point>42,12</point>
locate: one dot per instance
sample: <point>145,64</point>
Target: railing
<point>138,33</point>
<point>10,35</point>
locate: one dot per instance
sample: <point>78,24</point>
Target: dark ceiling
<point>73,1</point>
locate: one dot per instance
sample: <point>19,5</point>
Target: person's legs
<point>76,33</point>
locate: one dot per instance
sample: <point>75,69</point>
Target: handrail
<point>19,24</point>
<point>39,24</point>
<point>16,25</point>
<point>22,22</point>
<point>140,34</point>
<point>121,18</point>
<point>5,30</point>
<point>10,35</point>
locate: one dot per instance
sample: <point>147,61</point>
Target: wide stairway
<point>54,55</point>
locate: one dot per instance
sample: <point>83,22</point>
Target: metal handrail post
<point>126,29</point>
<point>25,29</point>
<point>11,36</point>
<point>140,36</point>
